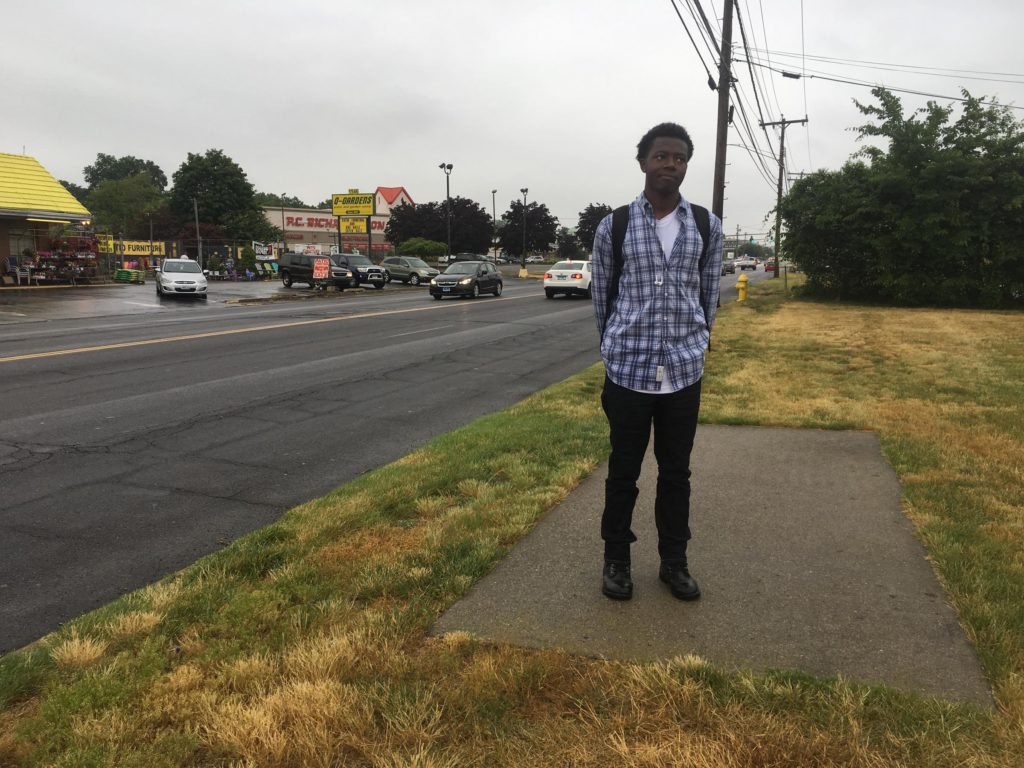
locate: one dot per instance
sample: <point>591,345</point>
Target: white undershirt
<point>667,229</point>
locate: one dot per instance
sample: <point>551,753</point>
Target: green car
<point>409,269</point>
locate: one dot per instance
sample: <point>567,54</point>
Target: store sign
<point>353,204</point>
<point>321,269</point>
<point>141,248</point>
<point>311,222</point>
<point>106,243</point>
<point>353,226</point>
<point>263,251</point>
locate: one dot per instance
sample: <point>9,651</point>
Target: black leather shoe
<point>616,582</point>
<point>679,581</point>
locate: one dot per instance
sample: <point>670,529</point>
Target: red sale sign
<point>321,269</point>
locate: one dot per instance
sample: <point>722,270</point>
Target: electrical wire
<point>707,25</point>
<point>711,80</point>
<point>866,84</point>
<point>753,79</point>
<point>920,69</point>
<point>803,65</point>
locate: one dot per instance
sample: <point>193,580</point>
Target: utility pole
<point>782,169</point>
<point>724,84</point>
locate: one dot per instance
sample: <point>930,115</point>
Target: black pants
<point>630,416</point>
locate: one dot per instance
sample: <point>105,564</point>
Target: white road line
<point>421,330</point>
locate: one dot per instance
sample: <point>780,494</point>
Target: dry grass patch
<point>78,652</point>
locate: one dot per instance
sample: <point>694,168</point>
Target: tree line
<point>934,217</point>
<point>130,197</point>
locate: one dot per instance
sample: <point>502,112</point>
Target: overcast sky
<point>313,97</point>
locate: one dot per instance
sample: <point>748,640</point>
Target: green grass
<point>306,642</point>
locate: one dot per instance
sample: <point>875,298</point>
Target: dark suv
<point>365,270</point>
<point>298,268</point>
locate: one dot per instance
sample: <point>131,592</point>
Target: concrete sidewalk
<point>805,559</point>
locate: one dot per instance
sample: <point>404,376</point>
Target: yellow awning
<point>28,190</point>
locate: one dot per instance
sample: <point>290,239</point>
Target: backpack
<point>620,221</point>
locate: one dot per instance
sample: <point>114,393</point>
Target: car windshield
<point>418,263</point>
<point>462,268</point>
<point>568,265</point>
<point>356,258</point>
<point>181,266</point>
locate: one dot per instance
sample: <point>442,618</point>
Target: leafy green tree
<point>568,246</point>
<point>80,193</point>
<point>121,205</point>
<point>541,229</point>
<point>933,217</point>
<point>425,220</point>
<point>224,197</point>
<point>418,246</point>
<point>110,168</point>
<point>265,199</point>
<point>471,224</point>
<point>590,217</point>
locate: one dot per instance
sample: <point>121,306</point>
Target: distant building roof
<point>390,194</point>
<point>27,190</point>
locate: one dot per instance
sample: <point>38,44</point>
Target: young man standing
<point>654,307</point>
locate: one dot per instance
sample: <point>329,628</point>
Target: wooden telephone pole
<point>724,85</point>
<point>782,169</point>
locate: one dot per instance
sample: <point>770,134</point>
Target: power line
<point>796,76</point>
<point>923,69</point>
<point>711,80</point>
<point>803,66</point>
<point>753,79</point>
<point>707,25</point>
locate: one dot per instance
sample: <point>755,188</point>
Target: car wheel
<point>549,294</point>
<point>414,279</point>
<point>286,280</point>
<point>159,291</point>
<point>476,291</point>
<point>378,286</point>
<point>204,296</point>
<point>436,296</point>
<point>497,289</point>
<point>586,293</point>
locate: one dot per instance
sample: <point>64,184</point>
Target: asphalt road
<point>138,434</point>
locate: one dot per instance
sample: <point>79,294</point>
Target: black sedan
<point>467,278</point>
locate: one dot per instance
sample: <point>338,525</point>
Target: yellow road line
<point>255,329</point>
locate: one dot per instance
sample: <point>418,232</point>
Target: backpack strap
<point>703,220</point>
<point>620,222</point>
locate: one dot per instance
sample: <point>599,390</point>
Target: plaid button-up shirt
<point>664,311</point>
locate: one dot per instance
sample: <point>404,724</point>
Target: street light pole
<point>284,245</point>
<point>494,225</point>
<point>195,210</point>
<point>447,168</point>
<point>150,214</point>
<point>522,264</point>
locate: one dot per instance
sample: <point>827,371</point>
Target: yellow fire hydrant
<point>741,287</point>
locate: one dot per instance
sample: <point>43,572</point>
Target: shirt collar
<point>681,210</point>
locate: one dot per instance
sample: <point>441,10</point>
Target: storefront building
<point>35,209</point>
<point>316,230</point>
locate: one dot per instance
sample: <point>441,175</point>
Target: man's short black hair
<point>670,130</point>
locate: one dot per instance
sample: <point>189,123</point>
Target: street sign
<point>354,204</point>
<point>352,226</point>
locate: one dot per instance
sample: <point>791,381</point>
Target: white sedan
<point>569,277</point>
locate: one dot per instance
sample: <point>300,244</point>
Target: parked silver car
<point>409,269</point>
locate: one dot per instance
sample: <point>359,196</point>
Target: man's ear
<point>643,164</point>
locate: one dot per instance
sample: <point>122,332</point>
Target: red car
<point>769,266</point>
